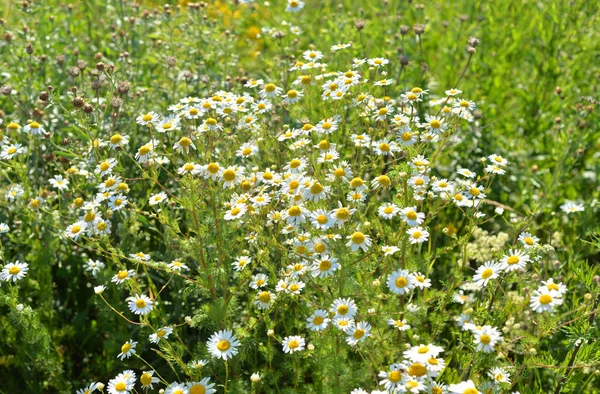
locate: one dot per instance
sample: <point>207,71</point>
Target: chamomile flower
<point>241,262</point>
<point>393,379</point>
<point>270,90</point>
<point>296,166</point>
<point>324,267</point>
<point>341,214</point>
<point>140,304</point>
<point>499,375</point>
<point>75,230</point>
<point>147,119</point>
<point>235,212</point>
<point>202,387</point>
<point>358,333</point>
<point>381,181</point>
<point>184,144</point>
<point>412,217</point>
<point>343,324</point>
<point>343,307</point>
<point>189,168</point>
<point>177,388</point>
<point>389,250</point>
<point>158,198</point>
<point>10,151</point>
<point>127,350</point>
<point>467,387</point>
<point>223,344</point>
<point>146,152</point>
<point>293,344</point>
<point>572,207</point>
<point>514,260</point>
<point>400,324</point>
<point>544,300</point>
<point>422,353</point>
<point>486,272</point>
<point>359,240</point>
<point>486,338</point>
<point>319,320</point>
<point>90,388</point>
<point>549,285</point>
<point>121,384</point>
<point>118,141</point>
<point>400,281</point>
<point>259,281</point>
<point>14,271</point>
<point>264,299</point>
<point>60,183</point>
<point>163,333</point>
<point>417,235</point>
<point>147,379</point>
<point>421,281</point>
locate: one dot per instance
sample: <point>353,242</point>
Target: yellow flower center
<point>305,80</point>
<point>485,339</point>
<point>213,168</point>
<point>270,87</point>
<point>358,333</point>
<point>512,260</point>
<point>235,211</point>
<point>294,287</point>
<point>246,151</point>
<point>470,390</point>
<point>223,345</point>
<point>545,299</point>
<point>295,211</point>
<point>144,150</point>
<point>342,309</point>
<point>411,215</point>
<point>102,226</point>
<point>342,213</point>
<point>292,94</point>
<point>13,126</point>
<point>75,229</point>
<point>552,286</point>
<point>401,281</point>
<point>411,385</point>
<point>211,121</point>
<point>318,320</point>
<point>384,180</point>
<point>356,182</point>
<point>146,378</point>
<point>316,188</point>
<point>197,389</point>
<point>185,142</point>
<point>417,234</point>
<point>357,238</point>
<point>293,344</point>
<point>423,349</point>
<point>384,147</point>
<point>89,217</point>
<point>411,96</point>
<point>264,297</point>
<point>125,348</point>
<point>320,248</point>
<point>147,118</point>
<point>433,361</point>
<point>14,270</point>
<point>11,150</point>
<point>327,125</point>
<point>394,376</point>
<point>295,163</point>
<point>121,386</point>
<point>229,175</point>
<point>435,124</point>
<point>487,273</point>
<point>528,240</point>
<point>388,210</point>
<point>140,303</point>
<point>325,265</point>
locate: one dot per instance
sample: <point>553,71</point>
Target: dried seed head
<point>471,50</point>
<point>360,24</point>
<point>123,87</point>
<point>474,42</point>
<point>29,48</point>
<point>60,59</point>
<point>100,66</point>
<point>404,60</point>
<point>78,102</point>
<point>419,29</point>
<point>88,108</point>
<point>171,61</point>
<point>6,90</point>
<point>74,71</point>
<point>404,30</point>
<point>44,96</point>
